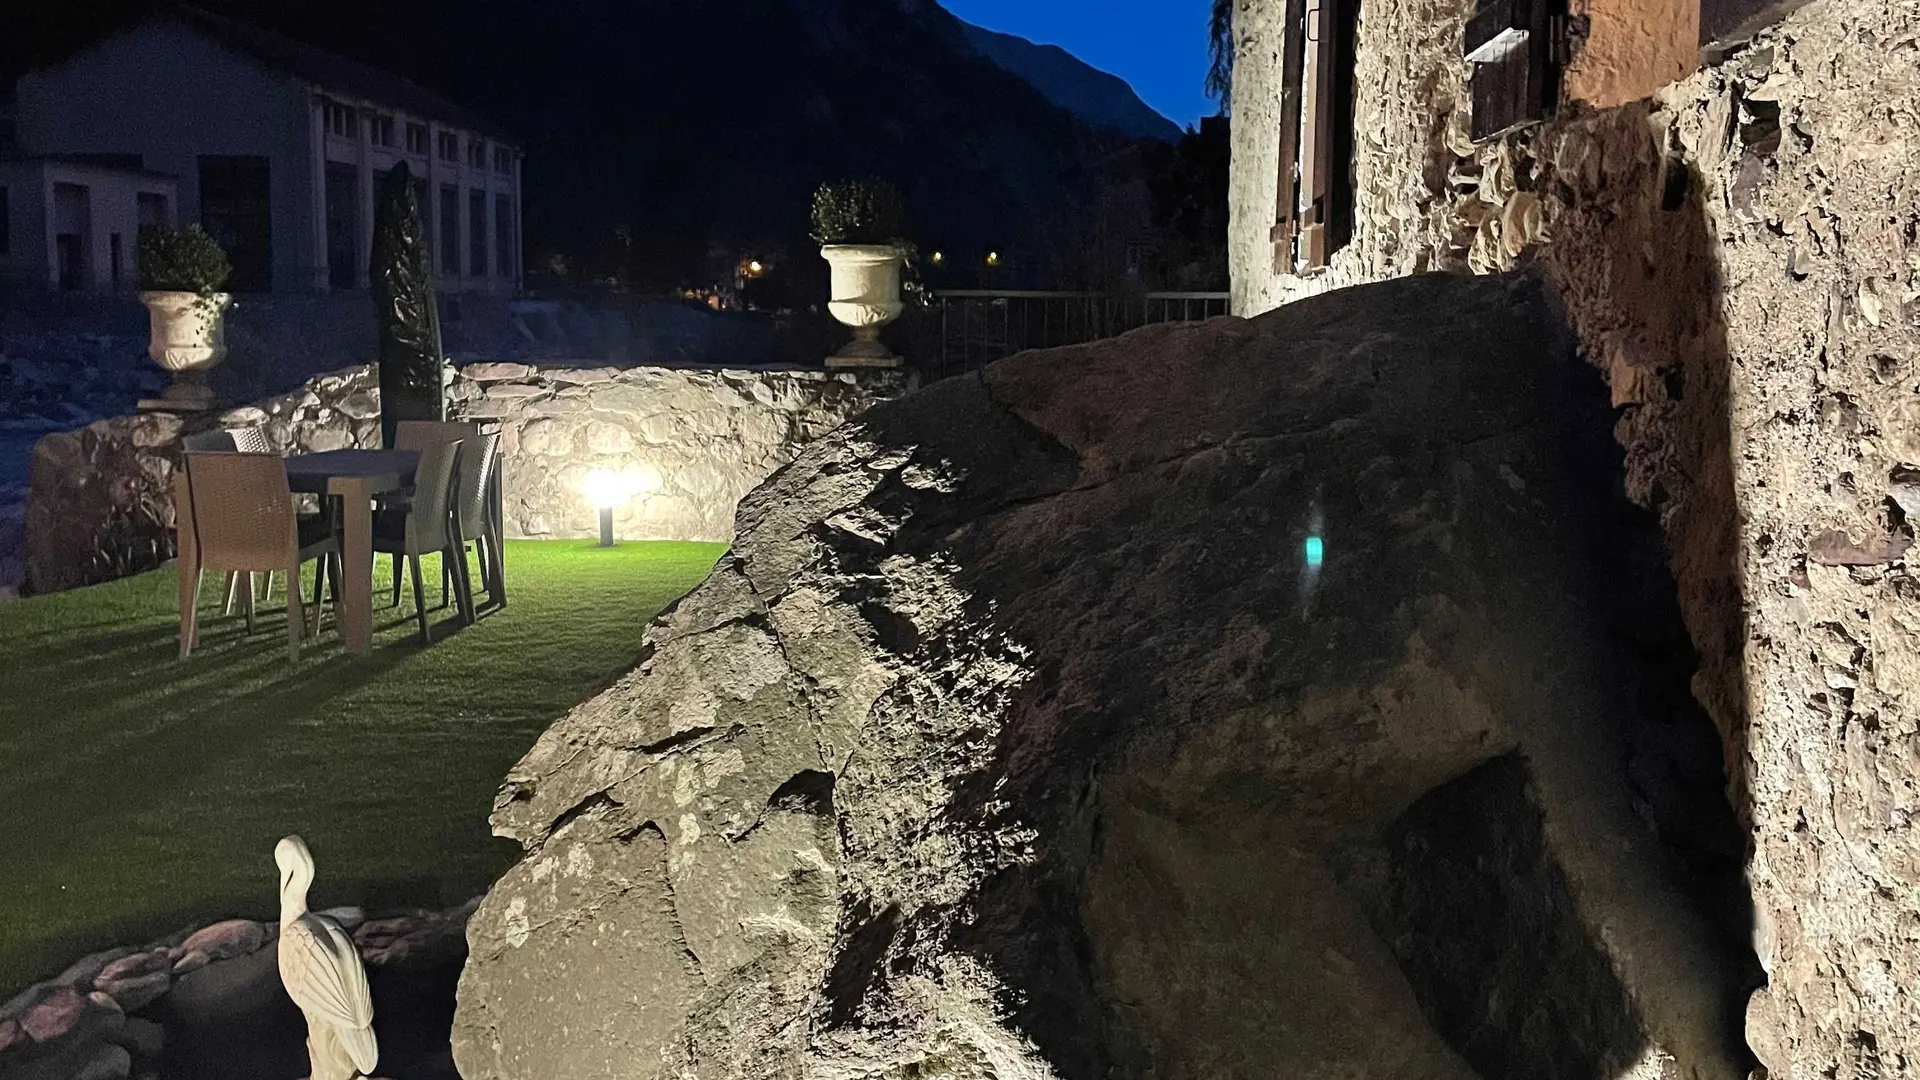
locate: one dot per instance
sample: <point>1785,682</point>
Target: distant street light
<point>993,258</point>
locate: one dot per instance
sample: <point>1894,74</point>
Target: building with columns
<point>275,147</point>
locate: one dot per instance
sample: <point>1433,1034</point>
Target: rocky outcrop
<point>1244,700</point>
<point>101,503</point>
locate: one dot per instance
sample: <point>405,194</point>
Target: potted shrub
<point>181,274</point>
<point>858,225</point>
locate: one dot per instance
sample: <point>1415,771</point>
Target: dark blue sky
<point>1160,46</point>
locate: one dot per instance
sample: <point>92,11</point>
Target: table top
<point>310,472</point>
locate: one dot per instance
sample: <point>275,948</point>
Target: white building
<point>276,148</point>
<point>73,224</point>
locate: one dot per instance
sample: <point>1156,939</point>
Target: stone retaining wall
<point>692,441</point>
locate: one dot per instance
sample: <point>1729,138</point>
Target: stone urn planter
<point>188,339</point>
<point>865,295</point>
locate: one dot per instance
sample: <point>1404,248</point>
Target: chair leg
<point>232,601</point>
<point>246,599</point>
<point>497,592</point>
<point>482,554</point>
<point>454,559</point>
<point>338,571</point>
<point>466,586</point>
<point>189,609</point>
<point>420,600</point>
<point>296,618</point>
<point>397,560</point>
<point>446,572</point>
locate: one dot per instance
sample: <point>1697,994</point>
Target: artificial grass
<point>140,793</point>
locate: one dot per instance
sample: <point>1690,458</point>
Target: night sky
<point>1160,46</point>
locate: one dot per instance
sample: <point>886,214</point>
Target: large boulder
<point>1240,700</point>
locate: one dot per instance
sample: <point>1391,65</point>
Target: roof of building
<point>331,71</point>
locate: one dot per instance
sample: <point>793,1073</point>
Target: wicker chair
<point>473,518</point>
<point>422,526</point>
<point>417,435</point>
<point>235,514</point>
<point>246,440</point>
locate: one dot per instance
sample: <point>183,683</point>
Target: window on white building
<point>6,231</point>
<point>503,160</point>
<point>503,235</point>
<point>477,153</point>
<point>477,237</point>
<point>151,208</point>
<point>417,139</point>
<point>449,230</point>
<point>380,130</point>
<point>339,119</point>
<point>449,146</point>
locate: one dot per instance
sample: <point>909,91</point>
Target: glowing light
<point>938,257</point>
<point>756,267</point>
<point>1316,552</point>
<point>993,258</point>
<point>609,489</point>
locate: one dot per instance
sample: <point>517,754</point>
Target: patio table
<point>354,477</point>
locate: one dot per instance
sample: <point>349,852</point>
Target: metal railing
<point>970,328</point>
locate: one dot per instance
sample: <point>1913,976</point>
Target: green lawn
<point>139,793</point>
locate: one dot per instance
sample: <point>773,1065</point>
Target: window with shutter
<point>1314,215</point>
<point>1516,77</point>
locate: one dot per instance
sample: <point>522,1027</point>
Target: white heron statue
<point>323,975</point>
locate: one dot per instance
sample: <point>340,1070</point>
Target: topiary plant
<point>182,260</point>
<point>858,212</point>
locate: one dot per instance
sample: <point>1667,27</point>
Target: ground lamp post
<point>609,489</point>
<point>411,386</point>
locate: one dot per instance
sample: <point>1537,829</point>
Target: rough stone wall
<point>695,441</point>
<point>101,502</point>
<point>1739,256</point>
<point>1407,130</point>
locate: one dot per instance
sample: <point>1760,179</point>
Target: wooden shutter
<point>1287,192</point>
<point>1515,69</point>
<point>1315,214</point>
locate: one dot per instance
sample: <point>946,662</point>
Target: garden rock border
<point>94,1021</point>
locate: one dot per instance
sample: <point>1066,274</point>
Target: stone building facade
<point>1734,233</point>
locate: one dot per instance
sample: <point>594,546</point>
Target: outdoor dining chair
<point>243,440</point>
<point>237,516</point>
<point>422,526</point>
<point>417,435</point>
<point>473,516</point>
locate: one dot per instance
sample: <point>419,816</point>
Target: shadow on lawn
<point>146,658</point>
<point>187,697</point>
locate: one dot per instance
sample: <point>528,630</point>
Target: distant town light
<point>993,258</point>
<point>939,257</point>
<point>756,267</point>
